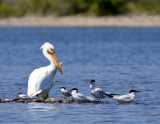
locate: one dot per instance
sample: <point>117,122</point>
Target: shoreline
<point>81,21</point>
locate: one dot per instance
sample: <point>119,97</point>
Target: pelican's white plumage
<point>43,78</point>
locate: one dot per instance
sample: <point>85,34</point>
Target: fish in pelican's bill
<point>43,78</point>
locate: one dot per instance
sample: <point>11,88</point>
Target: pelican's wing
<point>39,79</point>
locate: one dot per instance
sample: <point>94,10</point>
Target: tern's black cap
<point>93,80</point>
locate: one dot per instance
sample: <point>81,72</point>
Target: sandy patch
<point>79,21</point>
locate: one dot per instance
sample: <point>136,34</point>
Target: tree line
<point>20,8</point>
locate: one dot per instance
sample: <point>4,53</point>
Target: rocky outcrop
<point>38,100</point>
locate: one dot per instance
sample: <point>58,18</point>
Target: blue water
<point>119,59</point>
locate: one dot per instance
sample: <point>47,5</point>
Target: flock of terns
<point>98,93</point>
<point>43,79</point>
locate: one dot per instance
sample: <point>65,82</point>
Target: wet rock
<point>50,100</point>
<point>62,100</point>
<point>8,100</point>
<point>39,100</point>
<point>14,99</point>
<point>20,100</point>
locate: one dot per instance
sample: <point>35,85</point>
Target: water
<point>119,59</point>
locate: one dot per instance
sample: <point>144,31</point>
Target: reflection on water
<point>41,107</point>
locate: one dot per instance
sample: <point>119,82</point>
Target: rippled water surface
<point>119,59</point>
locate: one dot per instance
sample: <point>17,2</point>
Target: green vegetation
<point>44,95</point>
<point>20,8</point>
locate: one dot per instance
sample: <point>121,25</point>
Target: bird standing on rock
<point>78,97</point>
<point>98,92</point>
<point>65,92</point>
<point>42,79</point>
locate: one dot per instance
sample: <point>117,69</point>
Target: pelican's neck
<point>52,64</point>
<point>52,67</point>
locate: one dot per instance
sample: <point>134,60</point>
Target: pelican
<point>43,78</point>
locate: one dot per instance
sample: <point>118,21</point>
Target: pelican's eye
<point>52,51</point>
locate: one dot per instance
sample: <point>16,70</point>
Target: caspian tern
<point>65,92</point>
<point>98,92</point>
<point>126,98</point>
<point>78,97</point>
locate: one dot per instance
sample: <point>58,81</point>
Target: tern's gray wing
<point>100,92</point>
<point>68,94</point>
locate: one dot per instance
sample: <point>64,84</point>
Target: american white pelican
<point>126,98</point>
<point>43,78</point>
<point>65,92</point>
<point>78,97</point>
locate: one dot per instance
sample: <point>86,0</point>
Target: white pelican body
<point>80,97</point>
<point>126,98</point>
<point>43,78</point>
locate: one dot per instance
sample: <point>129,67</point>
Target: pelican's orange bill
<point>55,60</point>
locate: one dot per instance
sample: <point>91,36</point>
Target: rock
<point>39,100</point>
<point>62,100</point>
<point>20,100</point>
<point>8,100</point>
<point>15,99</point>
<point>50,100</point>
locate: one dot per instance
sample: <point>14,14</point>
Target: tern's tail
<point>109,95</point>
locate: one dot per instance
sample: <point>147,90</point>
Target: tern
<point>126,98</point>
<point>78,97</point>
<point>98,92</point>
<point>65,92</point>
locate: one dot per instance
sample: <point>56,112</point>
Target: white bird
<point>65,92</point>
<point>98,92</point>
<point>126,98</point>
<point>22,96</point>
<point>43,78</point>
<point>78,97</point>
